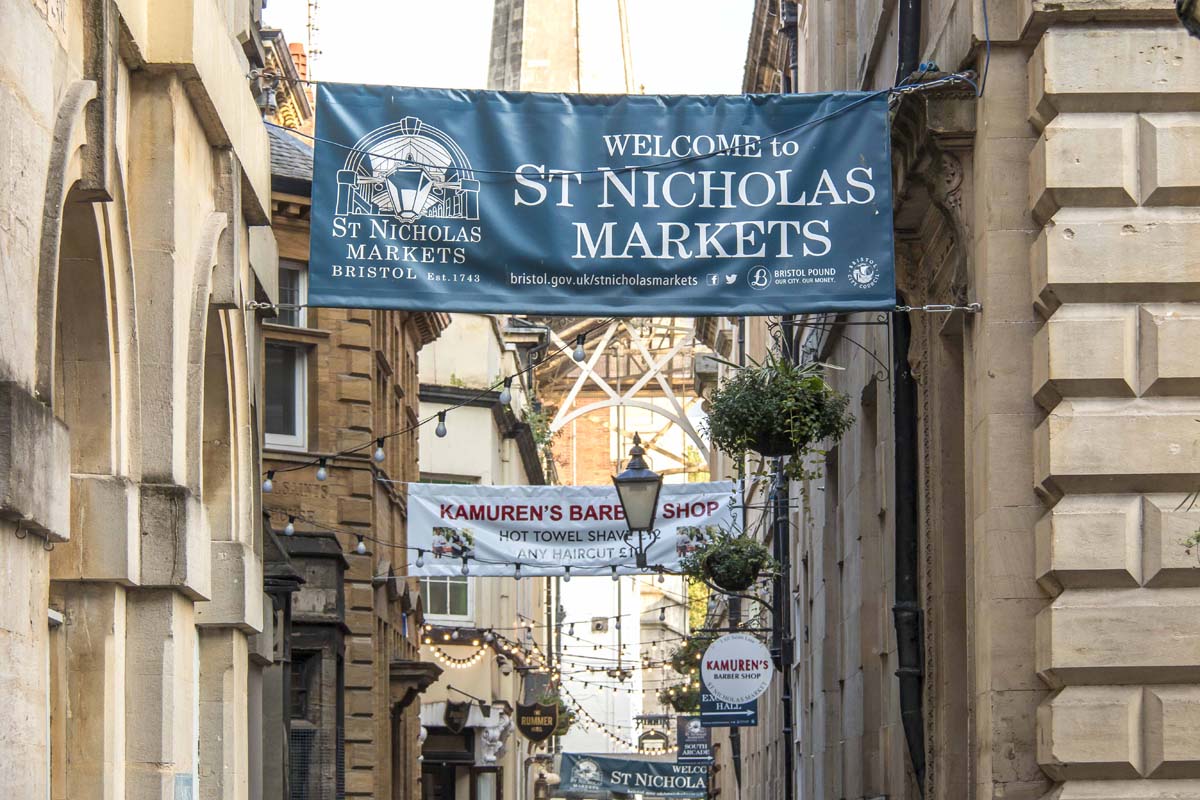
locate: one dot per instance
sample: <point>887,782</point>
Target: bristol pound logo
<point>864,272</point>
<point>759,278</point>
<point>408,169</point>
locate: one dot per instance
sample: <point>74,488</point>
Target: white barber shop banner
<point>548,528</point>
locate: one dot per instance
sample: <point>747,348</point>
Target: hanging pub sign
<point>555,530</point>
<point>588,775</point>
<point>537,721</point>
<point>693,741</point>
<point>512,202</point>
<point>456,716</point>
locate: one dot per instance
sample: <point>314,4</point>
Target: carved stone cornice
<point>933,135</point>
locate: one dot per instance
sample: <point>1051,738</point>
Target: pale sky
<point>679,46</point>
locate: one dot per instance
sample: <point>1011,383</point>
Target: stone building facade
<point>1015,484</point>
<point>134,204</point>
<point>337,379</point>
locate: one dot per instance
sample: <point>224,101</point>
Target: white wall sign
<point>736,668</point>
<point>546,529</point>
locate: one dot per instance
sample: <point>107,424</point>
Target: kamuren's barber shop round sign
<point>736,668</point>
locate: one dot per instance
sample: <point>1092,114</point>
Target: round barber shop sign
<point>736,668</point>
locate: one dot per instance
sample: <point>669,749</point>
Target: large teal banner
<point>601,205</point>
<point>585,775</point>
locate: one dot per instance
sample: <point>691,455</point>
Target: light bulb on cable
<point>440,430</point>
<point>580,354</point>
<point>615,576</point>
<point>465,568</point>
<point>566,575</point>
<point>662,614</point>
<point>662,577</point>
<point>379,455</point>
<point>420,558</point>
<point>517,571</point>
<point>268,485</point>
<point>361,548</point>
<point>506,392</point>
<point>322,470</point>
<point>290,528</point>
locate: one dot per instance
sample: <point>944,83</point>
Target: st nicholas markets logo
<point>406,193</point>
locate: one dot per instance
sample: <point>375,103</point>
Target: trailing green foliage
<point>731,563</point>
<point>686,658</point>
<point>539,425</point>
<point>566,717</point>
<point>684,698</point>
<point>777,408</point>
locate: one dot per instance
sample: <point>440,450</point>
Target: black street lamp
<point>1189,14</point>
<point>638,487</point>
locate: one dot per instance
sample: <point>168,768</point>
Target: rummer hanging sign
<point>555,530</point>
<point>537,721</point>
<point>571,204</point>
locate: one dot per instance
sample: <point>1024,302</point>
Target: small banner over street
<point>547,528</point>
<point>586,775</point>
<point>513,202</point>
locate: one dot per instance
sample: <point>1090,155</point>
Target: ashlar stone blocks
<point>1170,170</point>
<point>35,462</point>
<point>1121,733</point>
<point>1126,636</point>
<point>1118,541</point>
<point>1091,732</point>
<point>1118,68</point>
<point>1103,255</point>
<point>105,542</point>
<point>1086,351</point>
<point>1085,160</point>
<point>1167,359</point>
<point>1109,445</point>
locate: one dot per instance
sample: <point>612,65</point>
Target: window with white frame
<point>287,396</point>
<point>447,597</point>
<point>293,294</point>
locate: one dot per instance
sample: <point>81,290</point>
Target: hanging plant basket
<point>730,563</point>
<point>777,409</point>
<point>684,698</point>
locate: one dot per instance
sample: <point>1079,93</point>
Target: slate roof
<point>291,163</point>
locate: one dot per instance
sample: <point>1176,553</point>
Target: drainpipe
<point>782,635</point>
<point>907,611</point>
<point>910,39</point>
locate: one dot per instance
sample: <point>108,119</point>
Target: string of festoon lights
<point>324,463</point>
<point>590,722</point>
